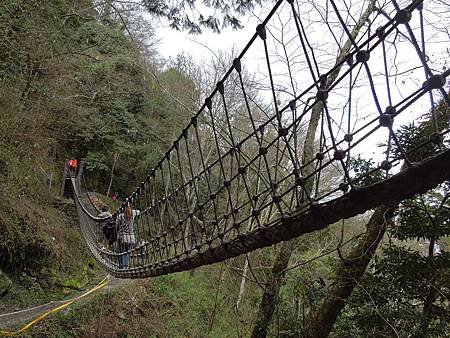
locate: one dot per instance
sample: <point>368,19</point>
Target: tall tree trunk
<point>108,9</point>
<point>349,273</point>
<point>271,292</point>
<point>243,279</point>
<point>115,158</point>
<point>276,276</point>
<point>247,257</point>
<point>432,294</point>
<point>216,298</point>
<point>428,306</point>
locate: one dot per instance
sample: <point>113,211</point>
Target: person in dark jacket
<point>107,229</point>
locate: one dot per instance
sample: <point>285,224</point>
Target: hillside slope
<point>72,85</point>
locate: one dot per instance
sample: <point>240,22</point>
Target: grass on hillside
<point>178,305</point>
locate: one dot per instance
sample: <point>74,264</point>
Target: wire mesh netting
<point>271,156</point>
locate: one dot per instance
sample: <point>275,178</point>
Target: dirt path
<point>11,318</point>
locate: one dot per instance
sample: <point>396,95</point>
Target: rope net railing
<point>268,158</point>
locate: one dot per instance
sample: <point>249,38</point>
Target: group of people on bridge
<point>119,232</point>
<point>115,231</point>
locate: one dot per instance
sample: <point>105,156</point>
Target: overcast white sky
<point>174,42</point>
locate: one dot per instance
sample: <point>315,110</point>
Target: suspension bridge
<point>243,176</point>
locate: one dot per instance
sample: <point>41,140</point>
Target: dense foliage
<point>72,85</point>
<point>405,293</point>
<point>179,16</point>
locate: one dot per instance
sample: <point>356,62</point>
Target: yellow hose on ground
<point>102,284</point>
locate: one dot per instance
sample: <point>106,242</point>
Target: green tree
<point>185,14</point>
<point>406,291</point>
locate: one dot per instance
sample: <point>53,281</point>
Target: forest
<point>223,156</point>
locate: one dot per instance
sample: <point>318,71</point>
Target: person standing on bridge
<point>106,228</point>
<point>73,165</point>
<point>125,234</point>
